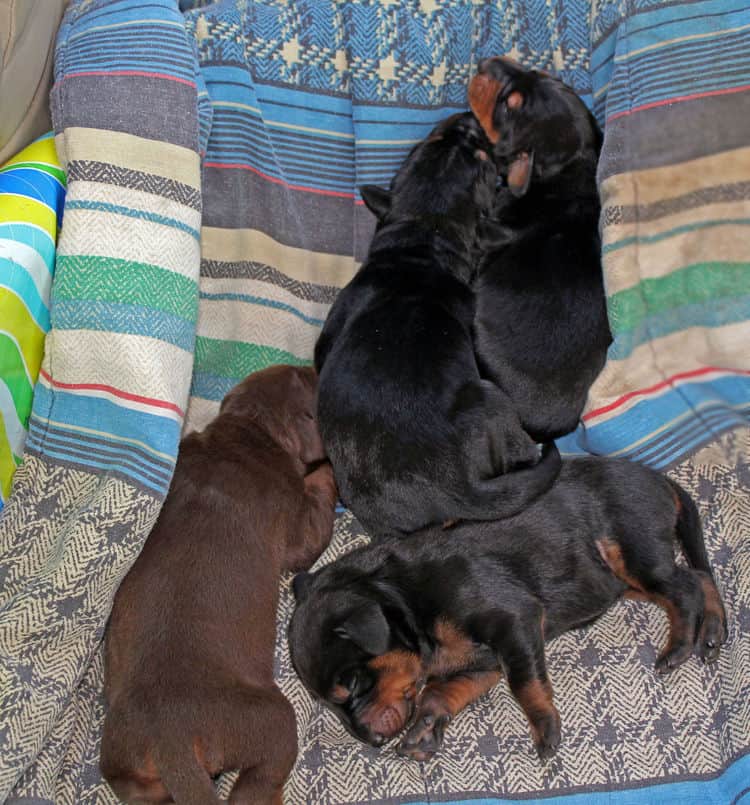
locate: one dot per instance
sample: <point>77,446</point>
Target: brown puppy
<point>189,648</point>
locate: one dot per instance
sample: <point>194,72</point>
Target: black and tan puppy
<point>414,435</point>
<point>541,327</point>
<point>189,647</point>
<point>452,610</point>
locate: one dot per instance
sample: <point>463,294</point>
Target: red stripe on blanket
<point>225,165</point>
<point>140,73</point>
<point>663,384</point>
<point>679,99</point>
<point>125,395</point>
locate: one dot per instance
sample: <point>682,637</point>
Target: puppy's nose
<point>377,739</point>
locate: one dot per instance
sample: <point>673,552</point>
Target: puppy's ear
<point>301,584</point>
<point>519,173</point>
<point>367,628</point>
<point>377,200</point>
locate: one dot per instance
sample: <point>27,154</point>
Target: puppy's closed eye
<point>353,682</point>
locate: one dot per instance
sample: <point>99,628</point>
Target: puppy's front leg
<point>523,658</point>
<point>315,525</point>
<point>440,702</point>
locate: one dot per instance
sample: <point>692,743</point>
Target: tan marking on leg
<point>611,553</point>
<point>713,603</point>
<point>535,698</point>
<point>458,692</point>
<point>678,632</point>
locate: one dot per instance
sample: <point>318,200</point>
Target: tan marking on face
<point>483,92</point>
<point>399,675</point>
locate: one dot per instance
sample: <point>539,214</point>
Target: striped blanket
<point>213,152</point>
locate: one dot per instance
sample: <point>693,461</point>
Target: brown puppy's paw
<point>711,637</point>
<point>425,736</point>
<point>546,733</point>
<point>672,656</point>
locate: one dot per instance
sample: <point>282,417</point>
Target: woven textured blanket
<point>213,152</point>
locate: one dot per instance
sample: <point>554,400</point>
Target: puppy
<point>541,326</point>
<point>190,643</point>
<point>451,611</point>
<point>414,435</point>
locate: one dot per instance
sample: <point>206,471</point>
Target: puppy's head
<point>537,125</point>
<point>282,400</point>
<point>355,649</point>
<point>447,175</point>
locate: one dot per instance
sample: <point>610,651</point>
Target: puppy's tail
<point>186,780</point>
<point>689,529</point>
<point>510,493</point>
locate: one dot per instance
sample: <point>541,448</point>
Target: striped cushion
<point>32,191</point>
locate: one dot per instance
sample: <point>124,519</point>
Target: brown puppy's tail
<point>510,493</point>
<point>689,529</point>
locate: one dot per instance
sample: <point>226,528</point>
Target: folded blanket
<point>176,278</point>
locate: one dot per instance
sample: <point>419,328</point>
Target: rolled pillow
<point>32,193</point>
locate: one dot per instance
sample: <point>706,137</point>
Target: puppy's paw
<point>546,733</point>
<point>425,736</point>
<point>711,637</point>
<point>673,656</point>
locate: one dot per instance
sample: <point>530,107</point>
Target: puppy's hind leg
<point>652,574</point>
<point>713,630</point>
<point>265,730</point>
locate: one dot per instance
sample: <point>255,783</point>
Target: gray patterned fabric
<point>622,725</point>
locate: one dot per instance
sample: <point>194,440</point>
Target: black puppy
<point>541,325</point>
<point>414,435</point>
<point>451,610</point>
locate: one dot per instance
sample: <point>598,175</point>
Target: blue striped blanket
<point>213,152</point>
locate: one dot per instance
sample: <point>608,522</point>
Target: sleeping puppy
<point>190,643</point>
<point>406,633</point>
<point>541,327</point>
<point>414,435</point>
